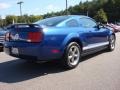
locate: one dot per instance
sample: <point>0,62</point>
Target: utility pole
<point>67,7</point>
<point>87,9</point>
<point>20,3</point>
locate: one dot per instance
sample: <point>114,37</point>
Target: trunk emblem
<point>16,37</point>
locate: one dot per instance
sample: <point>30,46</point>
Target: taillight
<point>35,37</point>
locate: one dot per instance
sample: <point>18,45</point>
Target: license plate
<point>14,51</point>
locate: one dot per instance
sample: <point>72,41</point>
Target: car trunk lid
<point>24,33</point>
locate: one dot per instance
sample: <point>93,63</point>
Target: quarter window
<point>72,23</point>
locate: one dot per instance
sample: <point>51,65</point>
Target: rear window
<point>52,21</point>
<point>22,26</point>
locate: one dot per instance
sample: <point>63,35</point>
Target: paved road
<point>100,71</point>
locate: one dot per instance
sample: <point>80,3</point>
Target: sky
<point>35,7</point>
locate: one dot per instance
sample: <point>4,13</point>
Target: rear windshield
<point>52,21</point>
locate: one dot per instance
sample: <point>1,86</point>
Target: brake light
<point>35,37</point>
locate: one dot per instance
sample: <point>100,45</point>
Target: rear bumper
<point>36,52</point>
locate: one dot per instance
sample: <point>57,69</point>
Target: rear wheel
<point>72,55</point>
<point>112,40</point>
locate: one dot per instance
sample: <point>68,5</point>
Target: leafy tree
<point>1,22</point>
<point>33,18</point>
<point>101,16</point>
<point>10,19</point>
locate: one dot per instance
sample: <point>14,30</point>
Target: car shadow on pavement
<point>18,70</point>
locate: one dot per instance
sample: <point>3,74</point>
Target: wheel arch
<point>112,33</point>
<point>72,37</point>
<point>75,39</point>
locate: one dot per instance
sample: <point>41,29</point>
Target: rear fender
<point>68,39</point>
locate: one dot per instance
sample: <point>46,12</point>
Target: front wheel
<point>112,40</point>
<point>72,55</point>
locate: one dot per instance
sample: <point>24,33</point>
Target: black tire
<point>1,49</point>
<point>72,55</point>
<point>112,40</point>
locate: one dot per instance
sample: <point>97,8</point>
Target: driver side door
<point>93,36</point>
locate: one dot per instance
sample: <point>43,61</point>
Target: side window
<point>87,23</point>
<point>72,23</point>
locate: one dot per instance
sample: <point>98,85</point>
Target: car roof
<point>74,16</point>
<point>80,16</point>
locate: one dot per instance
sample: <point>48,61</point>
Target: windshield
<point>52,21</point>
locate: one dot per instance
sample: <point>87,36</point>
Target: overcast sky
<point>36,7</point>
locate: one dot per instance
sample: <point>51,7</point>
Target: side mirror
<point>99,26</point>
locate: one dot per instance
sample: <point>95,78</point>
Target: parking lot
<point>99,71</point>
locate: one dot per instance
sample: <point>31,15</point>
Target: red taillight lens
<point>35,37</point>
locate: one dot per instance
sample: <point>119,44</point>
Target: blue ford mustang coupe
<point>61,38</point>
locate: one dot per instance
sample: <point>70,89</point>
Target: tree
<point>1,22</point>
<point>10,19</point>
<point>33,18</point>
<point>101,16</point>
